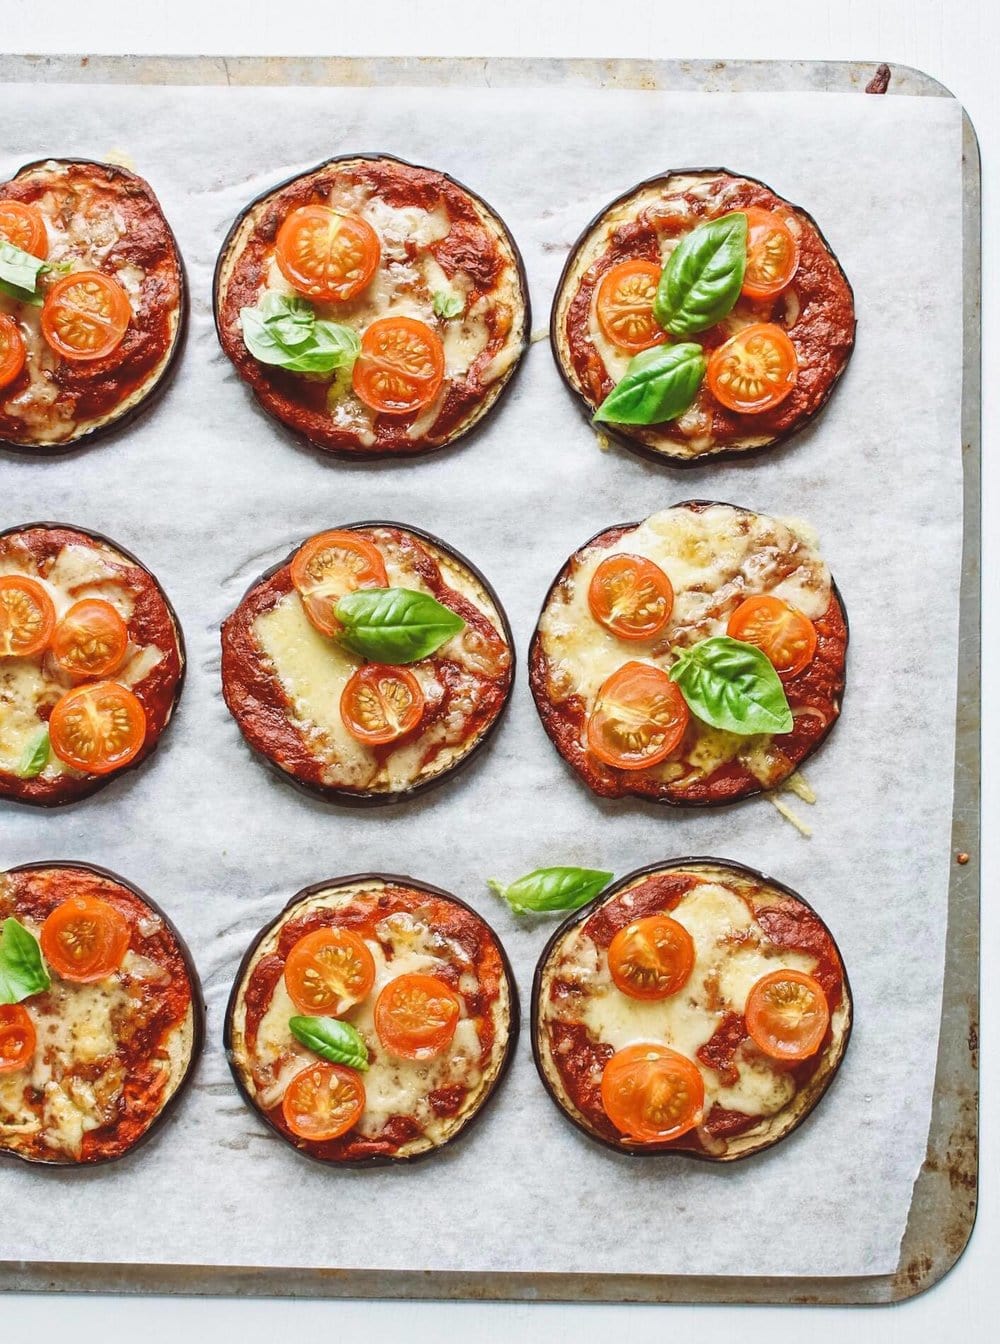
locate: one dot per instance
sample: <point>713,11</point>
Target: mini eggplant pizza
<point>695,1007</point>
<point>700,316</point>
<point>369,664</point>
<point>375,307</point>
<point>101,1018</point>
<point>372,1021</point>
<point>93,302</point>
<point>694,658</point>
<point>91,663</point>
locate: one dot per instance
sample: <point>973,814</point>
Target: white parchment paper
<point>209,492</point>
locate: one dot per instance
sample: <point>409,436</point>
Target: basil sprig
<point>284,331</point>
<point>446,304</point>
<point>331,1039</point>
<point>703,276</point>
<point>22,971</point>
<point>19,272</point>
<point>394,625</point>
<point>35,756</point>
<point>731,685</point>
<point>548,889</point>
<point>659,384</point>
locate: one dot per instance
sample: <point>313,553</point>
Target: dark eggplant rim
<point>166,376</point>
<point>387,454</point>
<point>513,1024</point>
<point>198,1014</point>
<point>102,781</point>
<point>758,789</point>
<point>577,917</point>
<point>618,433</point>
<point>358,798</point>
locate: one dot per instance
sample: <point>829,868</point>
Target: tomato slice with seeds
<point>755,370</point>
<point>328,971</point>
<point>17,1037</point>
<point>401,366</point>
<point>651,1093</point>
<point>85,316</point>
<point>638,719</point>
<point>98,728</point>
<point>380,704</point>
<point>329,565</point>
<point>84,939</point>
<point>24,226</point>
<point>772,254</point>
<point>327,255</point>
<point>630,596</point>
<point>778,629</point>
<point>12,351</point>
<point>27,616</point>
<point>323,1102</point>
<point>787,1014</point>
<point>625,305</point>
<point>416,1016</point>
<point>651,958</point>
<point>91,639</point>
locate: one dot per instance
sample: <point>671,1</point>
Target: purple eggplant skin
<point>580,916</point>
<point>513,1026</point>
<point>197,1013</point>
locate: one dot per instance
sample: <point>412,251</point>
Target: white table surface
<point>955,41</point>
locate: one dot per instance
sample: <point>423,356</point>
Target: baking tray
<point>943,1206</point>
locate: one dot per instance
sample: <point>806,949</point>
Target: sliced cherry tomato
<point>630,596</point>
<point>329,971</point>
<point>329,565</point>
<point>91,639</point>
<point>416,1016</point>
<point>327,255</point>
<point>17,1037</point>
<point>27,617</point>
<point>400,367</point>
<point>12,351</point>
<point>651,958</point>
<point>98,728</point>
<point>323,1102</point>
<point>24,226</point>
<point>85,939</point>
<point>772,254</point>
<point>787,1014</point>
<point>85,316</point>
<point>778,629</point>
<point>625,305</point>
<point>638,719</point>
<point>755,370</point>
<point>651,1093</point>
<point>380,704</point>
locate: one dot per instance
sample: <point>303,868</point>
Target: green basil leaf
<point>22,971</point>
<point>394,625</point>
<point>659,384</point>
<point>19,269</point>
<point>284,331</point>
<point>35,756</point>
<point>732,685</point>
<point>549,889</point>
<point>447,305</point>
<point>703,277</point>
<point>21,295</point>
<point>331,1039</point>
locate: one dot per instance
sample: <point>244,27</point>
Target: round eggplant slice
<point>445,260</point>
<point>815,309</point>
<point>284,681</point>
<point>743,927</point>
<point>410,1106</point>
<point>111,1056</point>
<point>73,565</point>
<point>97,217</point>
<point>716,556</point>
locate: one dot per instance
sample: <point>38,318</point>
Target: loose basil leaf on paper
<point>284,331</point>
<point>731,685</point>
<point>548,889</point>
<point>394,625</point>
<point>659,384</point>
<point>448,305</point>
<point>331,1039</point>
<point>19,272</point>
<point>22,971</point>
<point>703,276</point>
<point>35,756</point>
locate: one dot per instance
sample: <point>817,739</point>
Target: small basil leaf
<point>394,625</point>
<point>284,331</point>
<point>703,276</point>
<point>549,889</point>
<point>19,268</point>
<point>22,971</point>
<point>35,756</point>
<point>21,295</point>
<point>732,685</point>
<point>448,305</point>
<point>659,384</point>
<point>331,1039</point>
